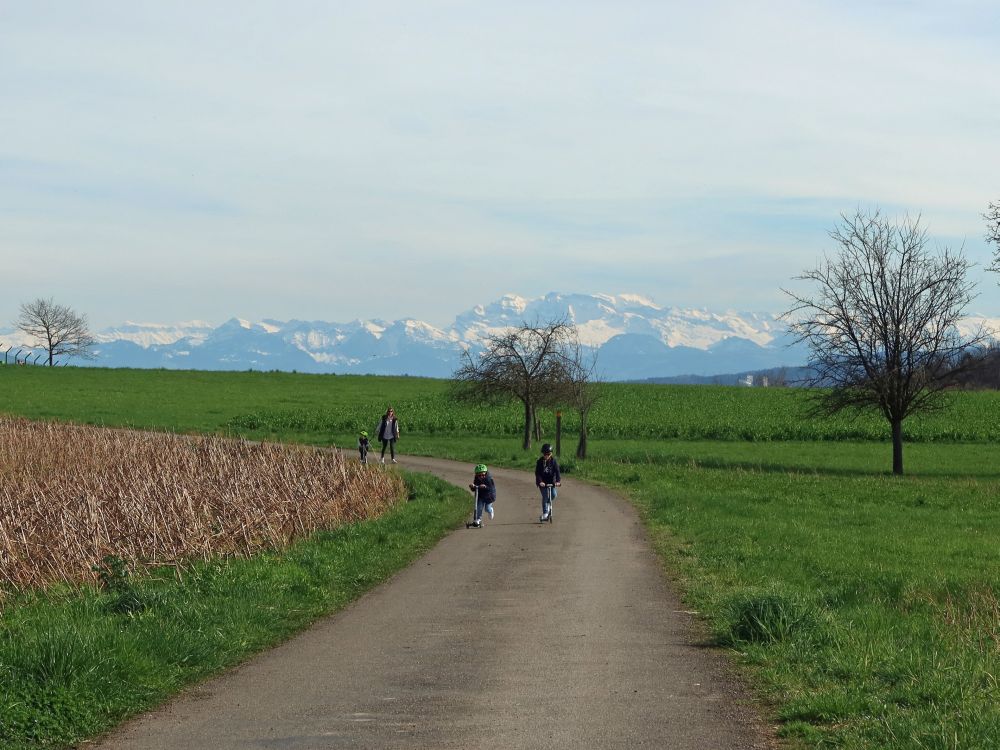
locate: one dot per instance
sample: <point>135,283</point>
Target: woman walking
<point>388,433</point>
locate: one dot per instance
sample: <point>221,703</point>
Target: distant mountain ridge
<point>635,339</point>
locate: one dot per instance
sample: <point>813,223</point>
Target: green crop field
<point>865,608</point>
<point>316,407</point>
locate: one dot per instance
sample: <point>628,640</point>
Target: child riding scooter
<point>485,493</point>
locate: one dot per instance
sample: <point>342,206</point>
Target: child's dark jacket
<point>547,472</point>
<point>487,489</point>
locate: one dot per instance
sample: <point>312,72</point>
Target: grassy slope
<point>866,604</point>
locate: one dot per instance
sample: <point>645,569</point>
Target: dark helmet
<point>546,448</point>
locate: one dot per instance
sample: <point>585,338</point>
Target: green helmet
<point>481,468</point>
<point>364,433</point>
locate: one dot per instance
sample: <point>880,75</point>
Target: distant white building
<point>748,380</point>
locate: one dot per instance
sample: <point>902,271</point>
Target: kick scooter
<point>475,506</point>
<point>547,506</point>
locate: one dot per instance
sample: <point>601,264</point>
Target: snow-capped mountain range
<point>634,337</point>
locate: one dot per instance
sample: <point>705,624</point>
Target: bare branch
<point>992,217</point>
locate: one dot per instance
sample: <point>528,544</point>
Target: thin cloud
<point>337,149</point>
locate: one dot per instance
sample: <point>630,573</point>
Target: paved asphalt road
<point>517,635</point>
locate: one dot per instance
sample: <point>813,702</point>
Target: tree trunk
<point>537,425</point>
<point>528,414</point>
<point>581,446</point>
<point>897,446</point>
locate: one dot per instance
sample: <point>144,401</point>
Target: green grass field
<point>865,607</point>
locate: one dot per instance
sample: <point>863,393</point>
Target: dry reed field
<point>71,495</point>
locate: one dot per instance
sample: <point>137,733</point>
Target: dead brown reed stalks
<point>71,495</point>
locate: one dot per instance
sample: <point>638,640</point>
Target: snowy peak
<point>149,334</point>
<point>508,310</point>
<point>638,301</point>
<point>600,317</point>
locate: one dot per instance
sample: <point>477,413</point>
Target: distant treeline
<point>982,373</point>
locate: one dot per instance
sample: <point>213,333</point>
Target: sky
<point>170,161</point>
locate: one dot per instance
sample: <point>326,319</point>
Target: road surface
<point>516,635</point>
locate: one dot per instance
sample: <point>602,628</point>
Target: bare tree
<point>992,217</point>
<point>525,363</point>
<point>57,329</point>
<point>882,326</point>
<point>582,390</point>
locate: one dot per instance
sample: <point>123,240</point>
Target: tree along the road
<point>582,390</point>
<point>882,325</point>
<point>58,329</point>
<point>529,363</point>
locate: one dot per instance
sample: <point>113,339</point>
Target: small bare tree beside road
<point>582,390</point>
<point>529,363</point>
<point>882,323</point>
<point>57,329</point>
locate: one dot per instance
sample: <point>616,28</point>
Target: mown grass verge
<point>76,662</point>
<point>866,607</point>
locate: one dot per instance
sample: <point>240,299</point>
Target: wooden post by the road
<point>558,431</point>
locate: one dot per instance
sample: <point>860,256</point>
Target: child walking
<point>363,446</point>
<point>486,494</point>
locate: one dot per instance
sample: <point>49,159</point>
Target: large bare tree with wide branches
<point>58,329</point>
<point>882,324</point>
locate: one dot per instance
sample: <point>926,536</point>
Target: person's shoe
<point>477,523</point>
<point>543,518</point>
<point>382,459</point>
<point>489,509</point>
<point>394,460</point>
